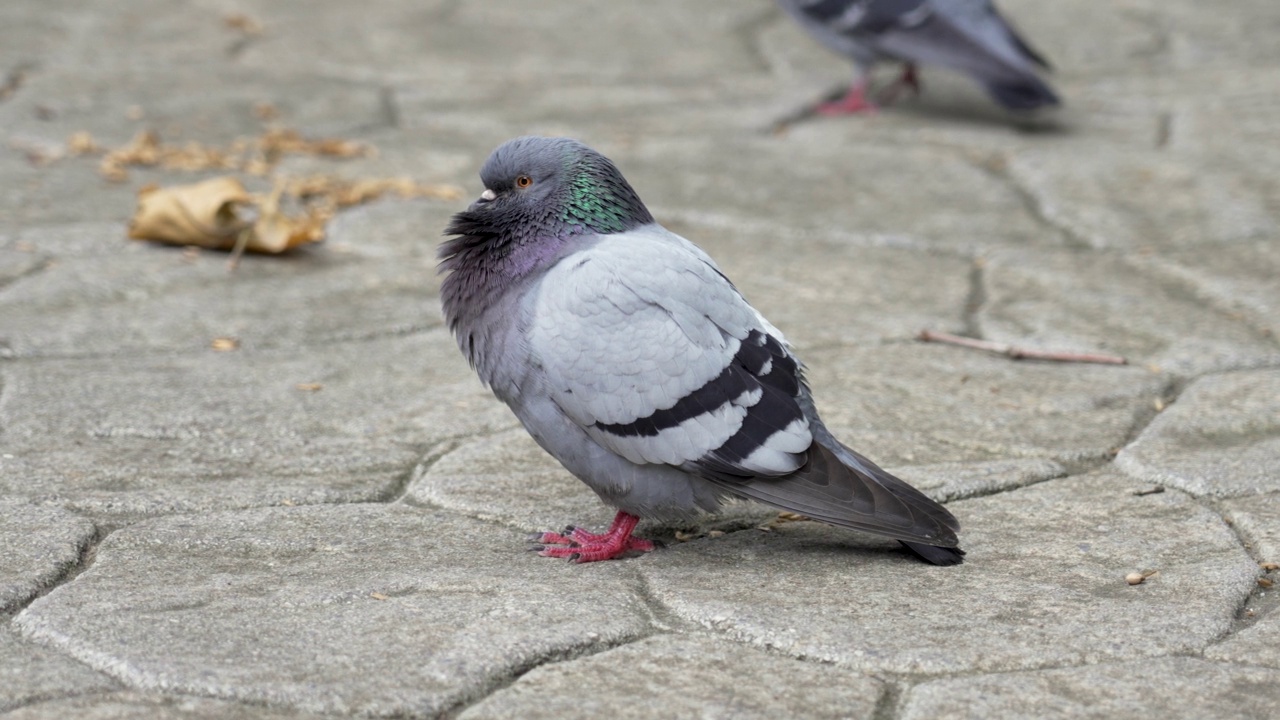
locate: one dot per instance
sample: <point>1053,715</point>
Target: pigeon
<point>629,357</point>
<point>966,35</point>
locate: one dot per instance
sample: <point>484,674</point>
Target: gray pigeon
<point>965,35</point>
<point>632,359</point>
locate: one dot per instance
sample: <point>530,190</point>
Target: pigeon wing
<point>647,347</point>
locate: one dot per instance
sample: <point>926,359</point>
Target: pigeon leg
<point>909,80</point>
<point>855,101</point>
<point>578,545</point>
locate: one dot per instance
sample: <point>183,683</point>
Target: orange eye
<point>523,181</point>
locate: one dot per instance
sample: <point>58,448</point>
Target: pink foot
<point>855,101</point>
<point>580,546</point>
<point>908,81</point>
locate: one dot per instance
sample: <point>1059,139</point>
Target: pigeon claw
<point>854,102</point>
<point>579,546</point>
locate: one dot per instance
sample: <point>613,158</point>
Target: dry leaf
<point>253,155</point>
<point>82,143</point>
<point>308,387</point>
<point>224,344</point>
<point>378,596</point>
<point>204,214</point>
<point>243,23</point>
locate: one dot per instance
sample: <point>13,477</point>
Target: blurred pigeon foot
<point>855,101</point>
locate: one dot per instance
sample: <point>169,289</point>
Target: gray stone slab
<point>956,481</point>
<point>209,105</point>
<point>64,192</point>
<point>672,676</point>
<point>1166,688</point>
<point>1092,302</point>
<point>40,545</point>
<point>370,609</point>
<point>74,239</point>
<point>148,298</point>
<point>15,264</point>
<point>1043,583</point>
<point>158,434</point>
<point>1241,280</point>
<point>1221,438</point>
<point>668,41</point>
<point>919,404</point>
<point>1254,645</point>
<point>130,705</point>
<point>1258,518</point>
<point>849,190</point>
<point>1128,198</point>
<point>30,674</point>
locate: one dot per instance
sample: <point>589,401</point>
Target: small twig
<point>1018,353</point>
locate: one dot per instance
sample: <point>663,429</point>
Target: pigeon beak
<point>485,197</point>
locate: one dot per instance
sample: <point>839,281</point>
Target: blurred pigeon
<point>965,35</point>
<point>632,359</point>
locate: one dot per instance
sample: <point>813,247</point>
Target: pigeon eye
<point>523,181</point>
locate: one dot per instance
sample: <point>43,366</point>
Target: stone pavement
<point>187,533</point>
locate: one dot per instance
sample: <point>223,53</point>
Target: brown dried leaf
<point>243,23</point>
<point>224,344</point>
<point>204,214</point>
<point>82,143</point>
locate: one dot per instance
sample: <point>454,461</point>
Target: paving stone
<point>40,545</point>
<point>145,298</point>
<point>921,403</point>
<point>1258,517</point>
<point>1240,280</point>
<point>1090,302</point>
<point>318,608</point>
<point>1168,688</point>
<point>14,264</point>
<point>1043,583</point>
<point>956,481</point>
<point>64,192</point>
<point>1130,198</point>
<point>682,677</point>
<point>30,674</point>
<point>159,434</point>
<point>115,104</point>
<point>669,41</point>
<point>850,190</point>
<point>75,239</point>
<point>1254,645</point>
<point>1221,438</point>
<point>130,705</point>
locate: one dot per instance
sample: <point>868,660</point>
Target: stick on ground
<point>1018,353</point>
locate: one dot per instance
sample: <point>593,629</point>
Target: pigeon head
<point>542,198</point>
<point>541,190</point>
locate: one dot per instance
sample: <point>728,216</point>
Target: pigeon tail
<point>1025,93</point>
<point>935,554</point>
